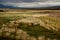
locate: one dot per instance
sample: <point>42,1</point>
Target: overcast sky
<point>16,1</point>
<point>31,3</point>
<point>28,0</point>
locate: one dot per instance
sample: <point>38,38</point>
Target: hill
<point>37,8</point>
<point>4,6</point>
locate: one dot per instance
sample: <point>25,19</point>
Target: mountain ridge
<point>51,7</point>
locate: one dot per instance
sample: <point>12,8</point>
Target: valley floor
<point>30,25</point>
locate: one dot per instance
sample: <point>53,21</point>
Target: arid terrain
<point>16,24</point>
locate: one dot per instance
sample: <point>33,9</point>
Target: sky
<point>30,3</point>
<point>16,1</point>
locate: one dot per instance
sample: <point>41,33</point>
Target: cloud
<point>54,0</point>
<point>16,1</point>
<point>32,4</point>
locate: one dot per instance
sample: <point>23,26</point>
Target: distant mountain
<point>52,8</point>
<point>49,8</point>
<point>46,8</point>
<point>4,6</point>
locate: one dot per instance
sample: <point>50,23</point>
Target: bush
<point>33,30</point>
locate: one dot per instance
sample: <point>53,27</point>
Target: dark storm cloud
<point>0,0</point>
<point>30,3</point>
<point>18,1</point>
<point>23,1</point>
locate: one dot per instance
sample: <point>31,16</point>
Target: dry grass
<point>29,25</point>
